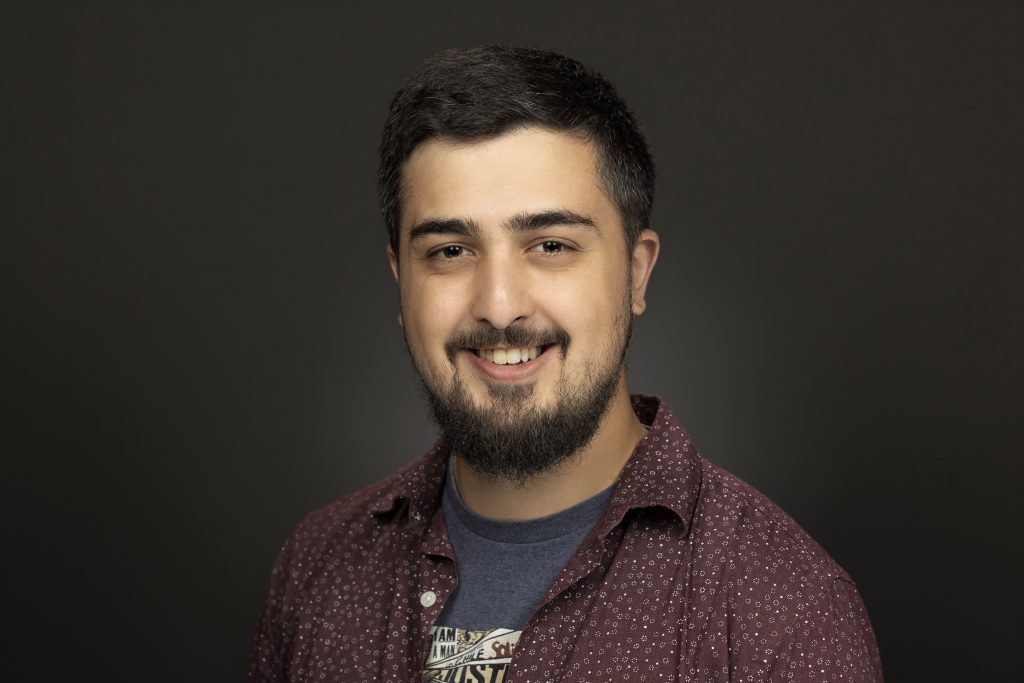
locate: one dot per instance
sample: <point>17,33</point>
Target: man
<point>560,529</point>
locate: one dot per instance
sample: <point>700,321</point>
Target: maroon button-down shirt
<point>690,575</point>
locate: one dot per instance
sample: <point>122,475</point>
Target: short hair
<point>481,92</point>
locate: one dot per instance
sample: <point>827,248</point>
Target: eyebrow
<point>525,222</point>
<point>521,222</point>
<point>445,226</point>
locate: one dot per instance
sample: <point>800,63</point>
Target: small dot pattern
<point>690,575</point>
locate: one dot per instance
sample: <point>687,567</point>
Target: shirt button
<point>428,599</point>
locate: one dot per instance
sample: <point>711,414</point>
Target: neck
<point>586,474</point>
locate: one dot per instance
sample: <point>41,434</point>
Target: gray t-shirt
<point>505,568</point>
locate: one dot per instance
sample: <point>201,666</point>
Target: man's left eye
<point>449,252</point>
<point>550,247</point>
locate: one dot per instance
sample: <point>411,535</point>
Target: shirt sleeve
<point>855,650</point>
<point>832,643</point>
<point>272,642</point>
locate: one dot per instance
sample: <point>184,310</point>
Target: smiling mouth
<point>510,356</point>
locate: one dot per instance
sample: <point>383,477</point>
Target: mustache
<point>488,337</point>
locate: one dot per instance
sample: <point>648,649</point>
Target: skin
<point>568,274</point>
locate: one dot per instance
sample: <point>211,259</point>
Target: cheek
<point>589,305</point>
<point>429,317</point>
<point>582,312</point>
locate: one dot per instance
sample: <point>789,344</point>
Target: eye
<point>448,252</point>
<point>551,247</point>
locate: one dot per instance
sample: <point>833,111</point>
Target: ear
<point>645,255</point>
<point>393,260</point>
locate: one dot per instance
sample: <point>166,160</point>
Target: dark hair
<point>482,92</point>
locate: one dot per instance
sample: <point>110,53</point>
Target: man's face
<point>516,294</point>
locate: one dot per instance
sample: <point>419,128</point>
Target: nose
<point>501,293</point>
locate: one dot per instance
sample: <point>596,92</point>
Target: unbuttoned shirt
<point>690,575</point>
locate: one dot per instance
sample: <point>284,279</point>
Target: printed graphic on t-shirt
<point>459,656</point>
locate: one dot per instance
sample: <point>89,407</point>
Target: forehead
<point>531,169</point>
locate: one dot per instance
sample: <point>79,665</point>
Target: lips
<point>485,361</point>
<point>488,345</point>
<point>510,356</point>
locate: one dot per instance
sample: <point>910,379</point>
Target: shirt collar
<point>664,471</point>
<point>416,488</point>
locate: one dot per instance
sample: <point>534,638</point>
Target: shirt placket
<point>438,579</point>
<point>589,558</point>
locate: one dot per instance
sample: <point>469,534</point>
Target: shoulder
<point>340,518</point>
<point>360,518</point>
<point>753,532</point>
<point>788,607</point>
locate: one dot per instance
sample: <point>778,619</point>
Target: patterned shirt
<point>690,575</point>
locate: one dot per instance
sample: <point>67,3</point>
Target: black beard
<point>536,442</point>
<point>501,440</point>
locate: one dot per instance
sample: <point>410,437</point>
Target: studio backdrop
<point>202,342</point>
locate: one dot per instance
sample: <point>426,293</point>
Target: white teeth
<point>509,356</point>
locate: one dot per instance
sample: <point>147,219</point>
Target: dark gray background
<point>201,342</point>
